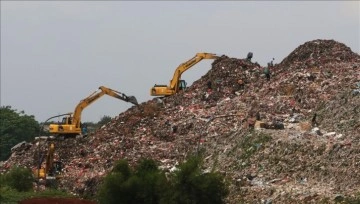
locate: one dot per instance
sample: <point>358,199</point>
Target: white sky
<point>53,54</point>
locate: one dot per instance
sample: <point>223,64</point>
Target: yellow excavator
<point>176,83</point>
<point>71,124</point>
<point>52,169</point>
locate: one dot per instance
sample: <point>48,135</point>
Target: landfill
<point>294,138</point>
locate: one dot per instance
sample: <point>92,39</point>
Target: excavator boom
<point>71,125</point>
<point>49,171</point>
<point>119,95</point>
<point>176,83</point>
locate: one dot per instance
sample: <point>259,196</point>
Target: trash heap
<point>293,138</point>
<point>319,53</point>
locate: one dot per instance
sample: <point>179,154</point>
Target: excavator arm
<point>71,123</point>
<point>175,83</point>
<point>49,158</point>
<point>43,172</point>
<point>96,95</point>
<point>119,95</point>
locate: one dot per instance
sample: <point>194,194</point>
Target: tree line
<point>144,183</point>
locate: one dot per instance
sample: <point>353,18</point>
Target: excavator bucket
<point>133,100</point>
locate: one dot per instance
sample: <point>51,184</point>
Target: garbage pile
<point>294,137</point>
<point>318,53</point>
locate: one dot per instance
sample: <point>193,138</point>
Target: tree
<point>18,178</point>
<point>15,127</point>
<point>153,183</point>
<point>145,184</point>
<point>104,120</point>
<point>191,185</point>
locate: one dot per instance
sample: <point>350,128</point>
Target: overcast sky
<point>53,54</point>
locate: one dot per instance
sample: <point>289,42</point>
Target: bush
<point>190,185</point>
<point>153,183</point>
<point>143,185</point>
<point>147,184</point>
<point>19,178</point>
<point>9,195</point>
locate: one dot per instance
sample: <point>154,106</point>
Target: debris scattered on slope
<point>294,137</point>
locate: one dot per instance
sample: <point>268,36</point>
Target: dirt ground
<point>56,201</point>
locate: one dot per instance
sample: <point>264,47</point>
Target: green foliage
<point>15,127</point>
<point>147,184</point>
<point>190,185</point>
<point>18,178</point>
<point>122,167</point>
<point>17,185</point>
<point>143,185</point>
<point>349,200</point>
<point>9,195</point>
<point>104,120</point>
<point>2,181</point>
<point>153,182</point>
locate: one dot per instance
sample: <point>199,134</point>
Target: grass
<point>352,200</point>
<point>10,196</point>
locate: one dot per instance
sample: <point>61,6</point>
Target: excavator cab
<point>66,120</point>
<point>175,83</point>
<point>182,85</point>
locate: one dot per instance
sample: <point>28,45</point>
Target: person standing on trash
<point>267,72</point>
<point>209,85</point>
<point>84,129</point>
<point>272,62</point>
<point>314,123</point>
<point>249,56</point>
<point>241,84</point>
